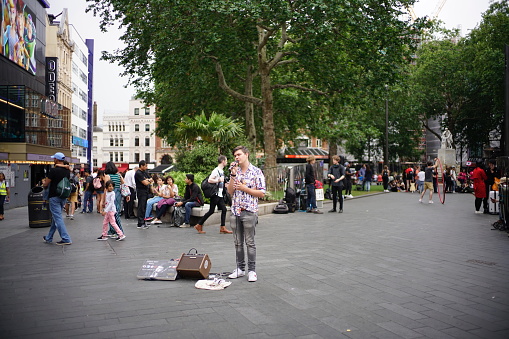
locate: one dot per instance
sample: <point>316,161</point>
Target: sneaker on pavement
<point>332,210</point>
<point>46,241</point>
<point>101,238</point>
<point>156,222</point>
<point>121,238</point>
<point>317,211</point>
<point>184,226</point>
<point>430,202</point>
<point>113,236</point>
<point>420,200</point>
<point>144,227</point>
<point>237,273</point>
<point>251,276</point>
<point>71,216</point>
<point>139,226</point>
<point>61,242</point>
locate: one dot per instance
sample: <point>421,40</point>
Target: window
<point>147,157</point>
<point>121,156</point>
<point>94,162</point>
<point>121,142</point>
<point>302,142</point>
<point>147,141</point>
<point>111,156</point>
<point>147,128</point>
<point>147,111</point>
<point>136,157</point>
<point>136,141</point>
<point>136,111</point>
<point>319,143</point>
<point>116,143</point>
<point>116,156</point>
<point>111,141</point>
<point>137,128</point>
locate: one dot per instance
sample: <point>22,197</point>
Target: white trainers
<point>185,226</point>
<point>420,200</point>
<point>251,276</point>
<point>237,273</point>
<point>430,202</point>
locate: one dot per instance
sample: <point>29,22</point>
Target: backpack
<point>74,186</point>
<point>179,214</point>
<point>97,183</point>
<point>281,207</point>
<point>64,188</point>
<point>209,190</point>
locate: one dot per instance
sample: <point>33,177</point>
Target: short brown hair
<point>241,148</point>
<point>336,157</point>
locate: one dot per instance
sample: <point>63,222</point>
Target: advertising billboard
<point>18,34</point>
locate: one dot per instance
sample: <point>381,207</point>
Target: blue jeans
<point>367,185</point>
<point>150,205</point>
<point>243,228</point>
<point>311,198</point>
<point>88,199</point>
<point>56,205</point>
<point>189,207</point>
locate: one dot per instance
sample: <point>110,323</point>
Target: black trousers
<point>219,202</point>
<point>129,205</point>
<point>142,206</point>
<point>348,187</point>
<point>337,192</point>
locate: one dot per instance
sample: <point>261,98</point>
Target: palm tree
<point>217,129</point>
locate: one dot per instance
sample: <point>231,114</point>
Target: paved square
<point>388,267</point>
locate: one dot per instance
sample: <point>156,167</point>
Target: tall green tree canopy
<point>185,51</point>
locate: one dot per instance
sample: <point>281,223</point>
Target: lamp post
<point>386,153</point>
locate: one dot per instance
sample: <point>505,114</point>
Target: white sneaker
<point>156,222</point>
<point>350,196</point>
<point>251,276</point>
<point>121,238</point>
<point>430,202</point>
<point>238,273</point>
<point>420,200</point>
<point>184,226</point>
<point>478,212</point>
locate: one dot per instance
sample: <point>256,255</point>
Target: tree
<point>219,130</point>
<point>301,39</point>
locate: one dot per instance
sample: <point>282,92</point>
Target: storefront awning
<point>303,153</point>
<point>162,169</point>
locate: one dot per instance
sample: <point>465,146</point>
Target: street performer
<point>246,186</point>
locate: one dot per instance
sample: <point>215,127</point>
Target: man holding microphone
<point>246,186</point>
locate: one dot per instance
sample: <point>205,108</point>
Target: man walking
<point>246,186</point>
<point>131,183</point>
<point>336,175</point>
<point>192,198</point>
<point>216,177</point>
<point>56,204</point>
<point>88,191</point>
<point>143,181</point>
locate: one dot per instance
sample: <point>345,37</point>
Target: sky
<point>109,88</point>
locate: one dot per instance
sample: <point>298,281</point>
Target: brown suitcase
<point>194,265</point>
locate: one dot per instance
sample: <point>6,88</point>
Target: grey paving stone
<point>443,273</point>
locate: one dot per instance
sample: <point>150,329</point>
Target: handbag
<point>124,190</point>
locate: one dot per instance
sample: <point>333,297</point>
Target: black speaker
<point>194,265</point>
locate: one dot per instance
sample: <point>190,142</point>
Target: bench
<point>196,214</point>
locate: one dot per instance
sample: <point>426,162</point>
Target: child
<point>109,213</point>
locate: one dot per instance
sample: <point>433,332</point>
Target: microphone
<point>233,164</point>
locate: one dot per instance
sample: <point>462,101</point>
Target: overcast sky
<point>113,98</point>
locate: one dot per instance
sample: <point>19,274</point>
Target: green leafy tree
<point>216,129</point>
<point>202,157</point>
<point>188,43</point>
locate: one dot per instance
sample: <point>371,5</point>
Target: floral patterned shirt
<point>252,178</point>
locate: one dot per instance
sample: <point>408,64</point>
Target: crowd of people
<point>114,194</point>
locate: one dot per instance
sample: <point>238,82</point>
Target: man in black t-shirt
<point>88,193</point>
<point>143,181</point>
<point>56,204</point>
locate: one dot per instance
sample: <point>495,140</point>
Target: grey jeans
<point>243,228</point>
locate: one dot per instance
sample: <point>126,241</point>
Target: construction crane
<point>438,8</point>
